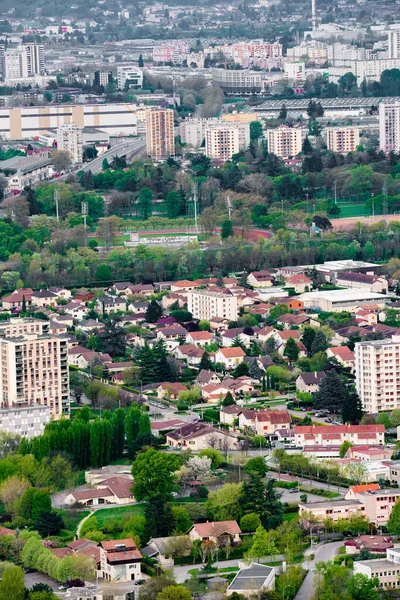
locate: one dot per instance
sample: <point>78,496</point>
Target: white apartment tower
<point>377,368</point>
<point>286,141</point>
<point>393,44</point>
<point>160,134</point>
<point>206,304</point>
<point>69,138</point>
<point>25,61</point>
<point>342,139</point>
<point>35,372</point>
<point>389,126</point>
<point>129,76</point>
<point>34,59</point>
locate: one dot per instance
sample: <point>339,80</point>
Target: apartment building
<point>370,70</point>
<point>175,52</point>
<point>286,141</point>
<point>129,76</point>
<point>193,131</point>
<point>393,44</point>
<point>16,327</point>
<point>378,504</point>
<point>386,570</point>
<point>160,135</point>
<point>24,61</point>
<point>69,138</point>
<point>226,139</point>
<point>342,139</point>
<point>389,126</point>
<point>35,371</point>
<point>208,303</point>
<point>377,369</point>
<point>26,421</point>
<point>238,82</point>
<point>335,435</point>
<point>334,509</point>
<point>120,560</point>
<point>295,71</point>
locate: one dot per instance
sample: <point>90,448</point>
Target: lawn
<point>72,517</point>
<point>291,516</point>
<point>105,514</point>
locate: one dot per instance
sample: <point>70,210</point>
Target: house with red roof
<point>343,355</point>
<point>265,422</point>
<point>300,283</point>
<point>221,533</point>
<point>17,298</point>
<point>120,560</point>
<point>357,489</point>
<point>190,353</point>
<point>335,435</point>
<point>230,357</point>
<point>260,279</point>
<point>170,390</point>
<point>199,338</point>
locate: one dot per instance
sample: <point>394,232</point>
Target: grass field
<point>291,516</point>
<point>72,518</point>
<point>105,514</point>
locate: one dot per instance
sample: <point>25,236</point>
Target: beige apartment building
<point>205,304</point>
<point>335,435</point>
<point>223,141</point>
<point>386,570</point>
<point>69,138</point>
<point>377,369</point>
<point>160,135</point>
<point>16,327</point>
<point>285,141</point>
<point>378,504</point>
<point>34,371</point>
<point>342,139</point>
<point>334,509</point>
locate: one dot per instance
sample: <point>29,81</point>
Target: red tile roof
<point>215,529</point>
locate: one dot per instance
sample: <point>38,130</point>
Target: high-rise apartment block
<point>69,138</point>
<point>393,44</point>
<point>225,139</point>
<point>285,141</point>
<point>34,371</point>
<point>24,61</point>
<point>129,76</point>
<point>377,369</point>
<point>342,139</point>
<point>160,135</point>
<point>234,81</point>
<point>389,126</point>
<point>209,303</point>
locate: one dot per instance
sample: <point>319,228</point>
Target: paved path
<point>78,529</point>
<point>322,553</point>
<point>181,572</point>
<point>308,482</point>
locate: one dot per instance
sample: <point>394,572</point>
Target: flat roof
<point>346,295</point>
<point>331,503</point>
<point>300,103</point>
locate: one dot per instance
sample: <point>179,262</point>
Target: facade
<point>69,138</point>
<point>27,421</point>
<point>32,121</point>
<point>219,532</point>
<point>24,61</point>
<point>129,76</point>
<point>230,357</point>
<point>342,139</point>
<point>335,435</point>
<point>238,82</point>
<point>120,560</point>
<point>206,304</point>
<point>335,509</point>
<point>225,139</point>
<point>378,374</point>
<point>160,136</point>
<point>378,504</point>
<point>198,436</point>
<point>252,581</point>
<point>387,571</point>
<point>364,281</point>
<point>285,141</point>
<point>35,372</point>
<point>295,71</point>
<point>389,126</point>
<point>393,44</point>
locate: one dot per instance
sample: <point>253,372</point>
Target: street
<point>322,553</point>
<point>129,147</point>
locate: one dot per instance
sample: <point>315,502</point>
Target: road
<point>308,482</point>
<point>129,147</point>
<point>322,553</point>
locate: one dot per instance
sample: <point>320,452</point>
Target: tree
<point>256,130</point>
<point>226,229</point>
<point>319,343</point>
<point>250,522</point>
<point>262,499</point>
<point>263,544</point>
<point>308,337</point>
<point>154,475</point>
<point>352,410</point>
<point>174,592</point>
<point>291,350</point>
<point>395,417</point>
<point>11,491</point>
<point>152,587</point>
<point>173,203</point>
<point>105,165</point>
<point>228,400</point>
<point>113,338</point>
<point>140,62</point>
<point>283,113</point>
<point>61,160</point>
<point>160,520</point>
<point>198,467</point>
<point>216,457</point>
<point>331,581</point>
<point>12,585</point>
<point>145,203</point>
<point>154,312</point>
<point>361,587</point>
<point>383,419</point>
<point>41,502</point>
<point>103,273</point>
<point>307,147</point>
<point>331,394</point>
<point>89,153</point>
<point>344,448</point>
<point>205,362</point>
<point>224,504</point>
<point>49,523</point>
<point>393,525</point>
<point>256,465</point>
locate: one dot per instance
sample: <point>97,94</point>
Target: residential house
<point>369,283</point>
<point>353,490</point>
<point>90,325</point>
<point>56,328</point>
<point>218,323</point>
<point>291,302</point>
<point>170,390</point>
<point>264,422</point>
<point>199,338</point>
<point>290,320</point>
<point>337,434</point>
<point>215,392</point>
<point>170,299</point>
<point>260,279</point>
<point>190,353</point>
<point>77,310</point>
<point>144,289</point>
<point>121,288</point>
<point>309,381</point>
<point>61,292</point>
<point>198,436</point>
<point>343,355</point>
<point>114,490</point>
<point>184,286</point>
<point>265,333</point>
<point>206,377</point>
<point>83,296</point>
<point>230,357</point>
<point>365,317</point>
<point>222,533</point>
<point>138,306</point>
<point>229,414</point>
<point>110,304</point>
<point>158,427</point>
<point>300,283</point>
<point>331,509</point>
<point>369,453</point>
<point>245,334</point>
<point>252,581</point>
<point>44,298</point>
<point>394,476</point>
<point>377,544</point>
<point>172,336</point>
<point>162,548</point>
<point>281,338</point>
<point>17,298</point>
<point>120,560</point>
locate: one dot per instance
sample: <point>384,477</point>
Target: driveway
<point>32,578</point>
<point>322,553</point>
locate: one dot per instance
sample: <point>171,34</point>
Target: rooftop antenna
<point>314,15</point>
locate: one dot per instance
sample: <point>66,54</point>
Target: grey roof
<point>252,578</point>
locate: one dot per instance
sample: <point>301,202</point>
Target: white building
<point>26,421</point>
<point>295,71</point>
<point>208,303</point>
<point>129,76</point>
<point>69,138</point>
<point>378,374</point>
<point>342,139</point>
<point>238,81</point>
<point>370,70</point>
<point>225,139</point>
<point>389,125</point>
<point>393,44</point>
<point>285,141</point>
<point>25,61</point>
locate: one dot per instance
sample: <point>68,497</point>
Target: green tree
<point>12,585</point>
<point>41,502</point>
<point>361,587</point>
<point>307,338</point>
<point>319,343</point>
<point>182,520</point>
<point>113,338</point>
<point>49,523</point>
<point>262,499</point>
<point>105,165</point>
<point>154,312</point>
<point>257,465</point>
<point>140,62</point>
<point>226,229</point>
<point>393,525</point>
<point>145,199</point>
<point>154,475</point>
<point>224,504</point>
<point>344,448</point>
<point>352,410</point>
<point>263,544</point>
<point>103,273</point>
<point>383,419</point>
<point>395,417</point>
<point>307,147</point>
<point>283,113</point>
<point>291,350</point>
<point>332,393</point>
<point>215,455</point>
<point>256,130</point>
<point>250,522</point>
<point>174,592</point>
<point>228,400</point>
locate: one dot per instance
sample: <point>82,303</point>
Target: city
<point>200,300</point>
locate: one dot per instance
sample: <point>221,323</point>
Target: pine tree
<point>118,435</point>
<point>226,229</point>
<point>205,362</point>
<point>283,113</point>
<point>145,359</point>
<point>141,62</point>
<point>23,307</point>
<point>291,350</point>
<point>307,147</point>
<point>241,370</point>
<point>332,393</point>
<point>228,400</point>
<point>132,422</point>
<point>154,312</point>
<point>352,410</point>
<point>262,499</point>
<point>319,343</point>
<point>307,338</point>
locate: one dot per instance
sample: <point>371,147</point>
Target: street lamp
<point>283,591</point>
